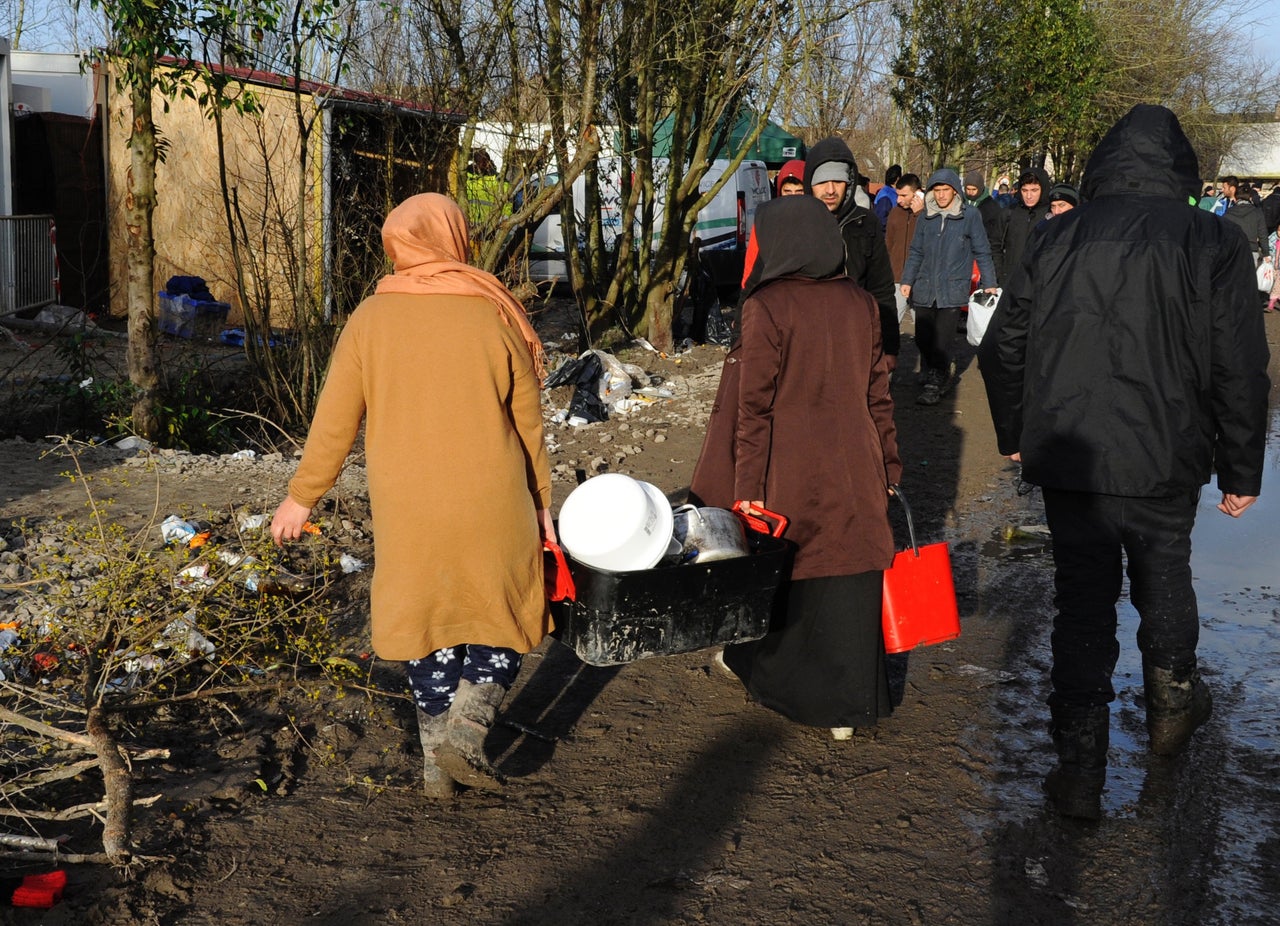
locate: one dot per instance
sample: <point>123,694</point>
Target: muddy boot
<point>432,731</point>
<point>1081,737</point>
<point>1178,701</point>
<point>470,717</point>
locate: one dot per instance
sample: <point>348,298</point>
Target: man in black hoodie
<point>831,174</point>
<point>1126,361</point>
<point>1030,207</point>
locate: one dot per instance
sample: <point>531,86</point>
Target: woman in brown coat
<point>458,476</point>
<point>803,425</point>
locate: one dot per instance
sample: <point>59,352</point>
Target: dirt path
<point>654,792</point>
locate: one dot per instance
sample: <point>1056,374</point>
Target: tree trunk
<point>140,203</point>
<point>117,788</point>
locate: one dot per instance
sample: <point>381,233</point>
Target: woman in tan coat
<point>445,371</point>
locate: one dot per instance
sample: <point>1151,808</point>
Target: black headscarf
<point>797,237</point>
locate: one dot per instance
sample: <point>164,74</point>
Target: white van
<point>722,225</point>
<point>547,253</point>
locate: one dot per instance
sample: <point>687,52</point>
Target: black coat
<point>1016,225</point>
<point>1127,355</point>
<point>1248,218</point>
<point>866,256</point>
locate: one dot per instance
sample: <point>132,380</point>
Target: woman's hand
<point>288,520</point>
<point>545,525</point>
<point>905,290</point>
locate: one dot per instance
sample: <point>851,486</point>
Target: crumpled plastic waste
<point>350,564</point>
<point>177,530</point>
<point>183,629</point>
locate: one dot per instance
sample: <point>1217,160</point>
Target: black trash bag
<point>719,328</point>
<point>569,371</point>
<point>195,287</point>
<point>584,374</point>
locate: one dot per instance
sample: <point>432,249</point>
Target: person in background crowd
<point>976,195</point>
<point>887,196</point>
<point>1063,198</point>
<point>1125,362</point>
<point>1226,195</point>
<point>1003,198</point>
<point>829,171</point>
<point>1274,296</point>
<point>460,607</point>
<point>948,239</point>
<point>1248,217</point>
<point>790,179</point>
<point>1208,199</point>
<point>1029,208</point>
<point>1271,207</point>
<point>899,231</point>
<point>803,425</point>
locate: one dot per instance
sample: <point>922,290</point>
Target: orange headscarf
<point>426,238</point>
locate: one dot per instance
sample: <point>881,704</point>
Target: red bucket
<point>919,595</point>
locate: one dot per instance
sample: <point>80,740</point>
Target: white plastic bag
<point>982,306</point>
<point>1266,275</point>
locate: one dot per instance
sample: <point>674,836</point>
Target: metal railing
<point>28,263</point>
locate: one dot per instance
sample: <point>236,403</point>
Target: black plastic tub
<point>619,617</point>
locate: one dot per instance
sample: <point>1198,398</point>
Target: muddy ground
<point>655,792</point>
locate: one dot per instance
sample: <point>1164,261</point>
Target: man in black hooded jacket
<point>1030,207</point>
<point>866,257</point>
<point>1126,360</point>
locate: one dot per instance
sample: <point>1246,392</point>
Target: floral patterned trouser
<point>434,678</point>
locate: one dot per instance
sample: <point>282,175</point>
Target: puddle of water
<point>1236,565</point>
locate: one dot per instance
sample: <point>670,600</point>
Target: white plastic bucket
<point>709,534</point>
<point>616,523</point>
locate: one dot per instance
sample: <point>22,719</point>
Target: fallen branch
<point>95,858</point>
<point>45,730</point>
<point>73,813</point>
<point>31,842</point>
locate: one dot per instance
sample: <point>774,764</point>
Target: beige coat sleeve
<point>336,423</point>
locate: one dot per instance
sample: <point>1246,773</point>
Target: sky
<point>48,19</point>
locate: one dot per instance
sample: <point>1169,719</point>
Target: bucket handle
<point>761,522</point>
<point>896,492</point>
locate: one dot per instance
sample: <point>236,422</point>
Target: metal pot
<point>708,534</point>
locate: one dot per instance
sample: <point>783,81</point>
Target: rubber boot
<point>1081,737</point>
<point>1178,701</point>
<point>470,717</point>
<point>432,731</point>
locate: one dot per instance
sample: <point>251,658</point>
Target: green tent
<point>775,146</point>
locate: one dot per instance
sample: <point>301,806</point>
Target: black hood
<point>1145,152</point>
<point>797,236</point>
<point>832,149</point>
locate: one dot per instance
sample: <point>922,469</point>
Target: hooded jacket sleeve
<point>1239,382</point>
<point>1002,360</point>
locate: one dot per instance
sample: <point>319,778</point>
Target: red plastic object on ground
<point>40,891</point>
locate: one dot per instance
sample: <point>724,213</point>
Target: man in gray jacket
<point>936,278</point>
